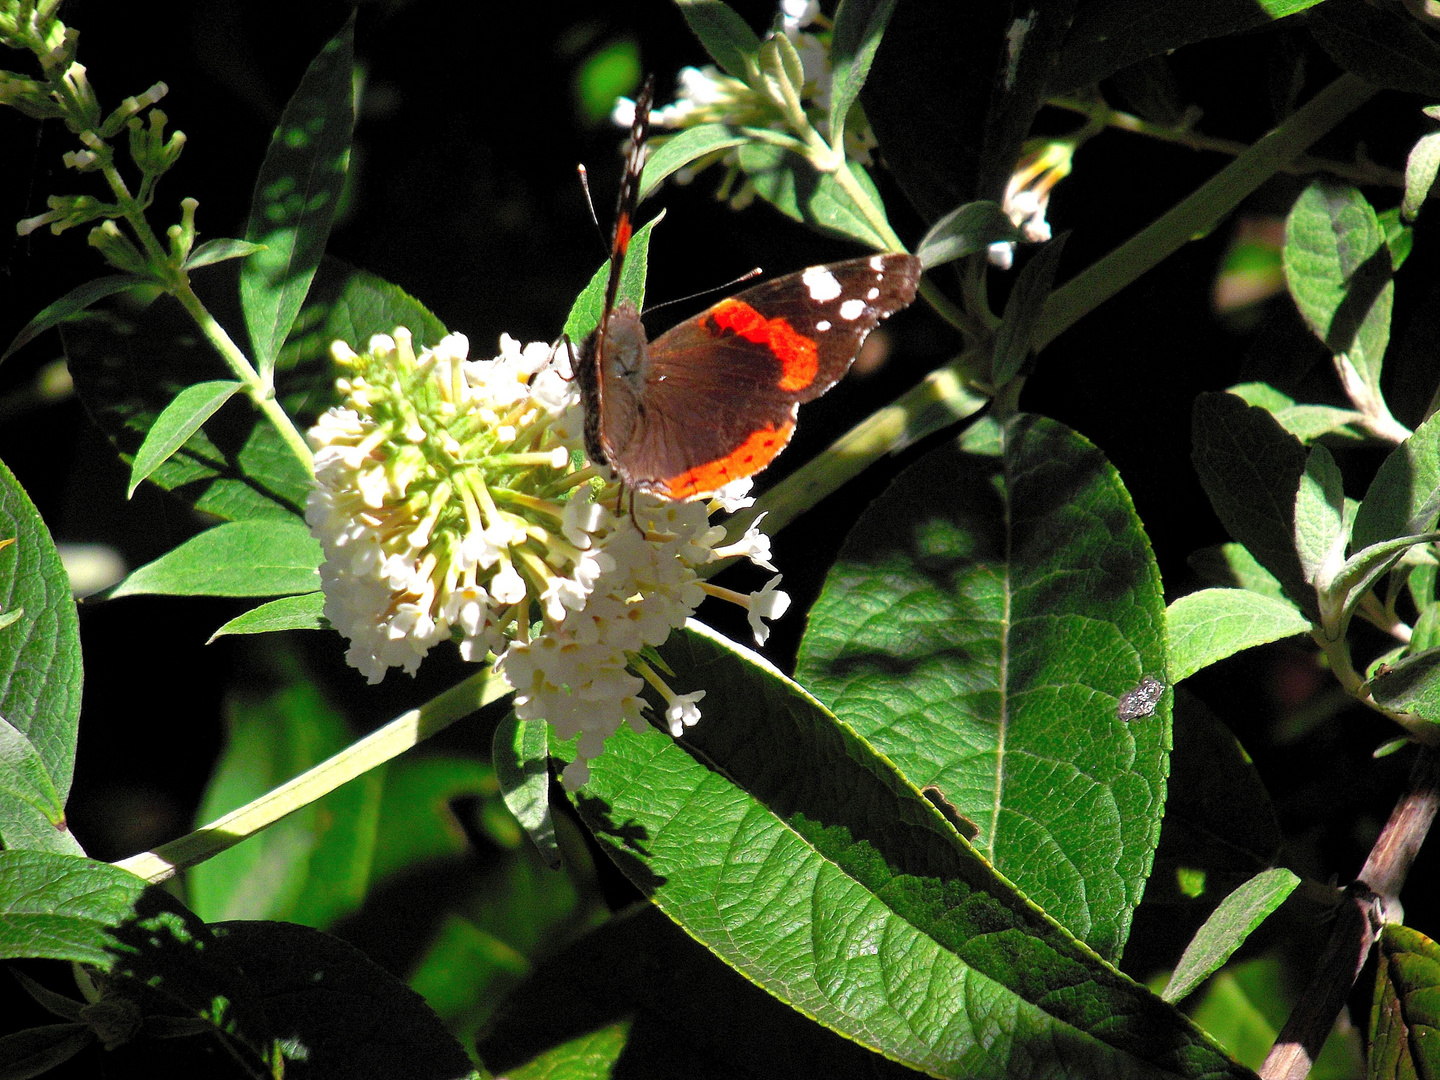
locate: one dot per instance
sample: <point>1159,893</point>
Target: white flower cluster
<point>449,504</point>
<point>707,95</point>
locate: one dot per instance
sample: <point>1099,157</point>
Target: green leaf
<point>1410,686</point>
<point>1404,497</point>
<point>1389,50</point>
<point>462,966</point>
<point>1305,422</point>
<point>1320,532</point>
<point>1404,1016</point>
<point>1220,826</point>
<point>23,775</point>
<point>61,907</point>
<point>726,36</point>
<point>40,678</point>
<point>1108,35</point>
<point>1420,169</point>
<point>1207,626</point>
<point>173,427</point>
<point>350,1016</point>
<point>1231,566</point>
<point>1338,269</point>
<point>943,625</point>
<point>965,230</point>
<point>681,149</point>
<point>859,26</point>
<point>239,558</point>
<point>355,305</point>
<point>521,753</point>
<point>1237,917</point>
<point>214,251</point>
<point>583,1057</point>
<point>1250,468</point>
<point>302,612</point>
<point>830,207</point>
<point>807,863</point>
<point>418,825</point>
<point>38,1050</point>
<point>296,195</point>
<point>1022,310</point>
<point>312,867</point>
<point>72,303</point>
<point>585,313</point>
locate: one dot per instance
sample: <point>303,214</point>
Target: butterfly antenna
<point>705,292</point>
<point>590,203</point>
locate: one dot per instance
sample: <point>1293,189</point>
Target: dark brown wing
<point>721,389</point>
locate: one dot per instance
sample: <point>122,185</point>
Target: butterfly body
<point>715,398</point>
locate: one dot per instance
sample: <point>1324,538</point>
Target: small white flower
<point>768,603</point>
<point>754,545</point>
<point>681,712</point>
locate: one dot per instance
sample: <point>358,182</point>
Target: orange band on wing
<point>748,458</point>
<point>796,352</point>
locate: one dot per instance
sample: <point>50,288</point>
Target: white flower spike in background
<point>453,501</point>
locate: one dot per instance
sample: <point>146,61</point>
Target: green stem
<point>260,393</point>
<point>1202,211</point>
<point>1100,113</point>
<point>360,757</point>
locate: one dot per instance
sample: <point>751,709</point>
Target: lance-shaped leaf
<point>1320,532</point>
<point>40,678</point>
<point>214,251</point>
<point>964,231</point>
<point>296,195</point>
<point>303,612</point>
<point>805,861</point>
<point>1338,268</point>
<point>1231,566</point>
<point>521,753</point>
<point>173,427</point>
<point>1410,686</point>
<point>1108,35</point>
<point>1022,309</point>
<point>1420,169</point>
<point>1405,1015</point>
<point>1404,497</point>
<point>681,149</point>
<point>1390,49</point>
<point>1250,468</point>
<point>981,628</point>
<point>72,303</point>
<point>586,311</point>
<point>239,558</point>
<point>859,25</point>
<point>1237,917</point>
<point>726,36</point>
<point>1207,626</point>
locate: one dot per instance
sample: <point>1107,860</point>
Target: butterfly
<point>715,398</point>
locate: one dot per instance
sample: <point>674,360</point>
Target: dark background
<point>464,194</point>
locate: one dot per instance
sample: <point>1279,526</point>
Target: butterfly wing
<point>720,391</point>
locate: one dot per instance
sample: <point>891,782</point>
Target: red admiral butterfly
<point>714,399</point>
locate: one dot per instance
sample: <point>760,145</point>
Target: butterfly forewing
<point>720,390</point>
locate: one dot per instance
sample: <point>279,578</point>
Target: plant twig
<point>358,758</point>
<point>1368,904</point>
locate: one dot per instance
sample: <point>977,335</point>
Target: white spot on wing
<point>821,283</point>
<point>872,294</point>
<point>877,262</point>
<point>852,309</point>
<point>822,325</point>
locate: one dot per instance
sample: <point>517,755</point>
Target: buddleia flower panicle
<point>706,95</point>
<point>453,501</point>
